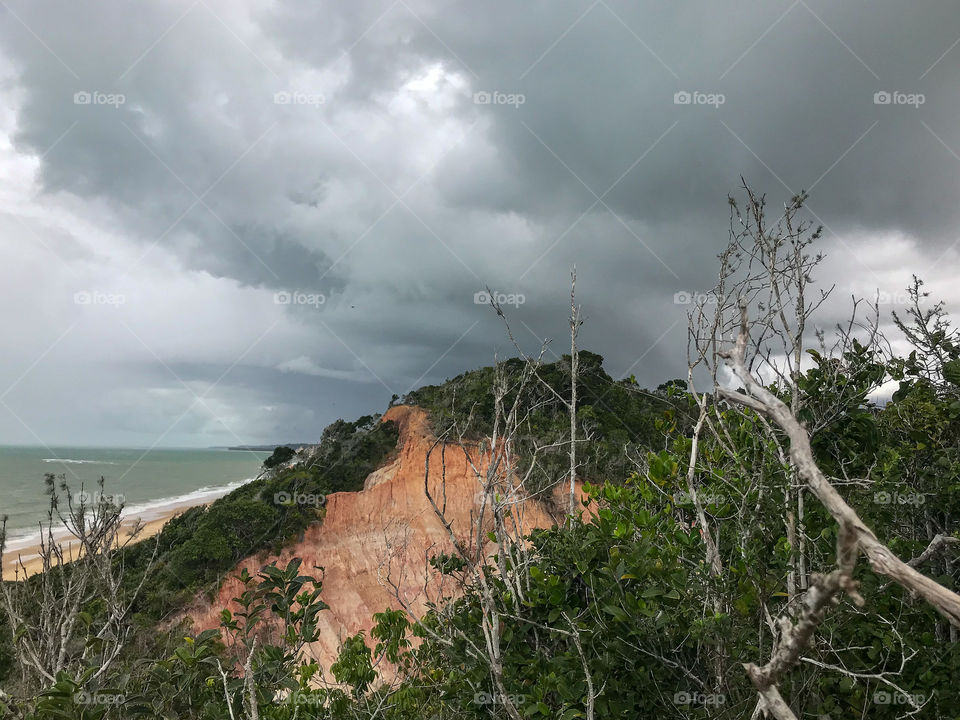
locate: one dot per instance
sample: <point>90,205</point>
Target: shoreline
<point>152,515</point>
<point>28,550</point>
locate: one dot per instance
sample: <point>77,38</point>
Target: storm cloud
<point>230,222</point>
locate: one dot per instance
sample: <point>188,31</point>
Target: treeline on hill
<point>195,549</point>
<point>619,420</point>
<point>199,546</point>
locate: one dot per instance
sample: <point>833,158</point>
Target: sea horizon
<point>80,446</point>
<point>147,481</point>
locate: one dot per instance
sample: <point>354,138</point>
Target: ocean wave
<point>153,509</point>
<point>79,462</point>
<point>146,511</point>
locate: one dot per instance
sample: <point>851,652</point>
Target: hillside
<point>379,536</point>
<point>202,548</point>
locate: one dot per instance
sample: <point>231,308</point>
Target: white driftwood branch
<point>881,558</point>
<point>854,537</point>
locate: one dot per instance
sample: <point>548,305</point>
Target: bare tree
<point>575,323</point>
<point>762,301</point>
<point>81,565</point>
<point>502,496</point>
<point>929,331</point>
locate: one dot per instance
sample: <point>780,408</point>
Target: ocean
<point>148,481</point>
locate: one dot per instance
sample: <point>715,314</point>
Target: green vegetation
<point>199,546</point>
<point>281,455</point>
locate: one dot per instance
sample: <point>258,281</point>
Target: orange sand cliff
<point>388,527</point>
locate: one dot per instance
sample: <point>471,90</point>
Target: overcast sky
<point>172,172</point>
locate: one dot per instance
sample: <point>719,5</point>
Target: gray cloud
<point>376,181</point>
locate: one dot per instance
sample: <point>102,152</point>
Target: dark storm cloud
<point>166,143</point>
<point>378,181</point>
<point>599,78</point>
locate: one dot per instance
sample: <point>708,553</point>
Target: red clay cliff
<point>387,530</point>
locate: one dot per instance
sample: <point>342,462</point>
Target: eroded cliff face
<point>375,543</point>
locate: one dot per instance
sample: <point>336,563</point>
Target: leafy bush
<point>280,456</point>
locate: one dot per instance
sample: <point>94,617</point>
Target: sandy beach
<point>28,552</point>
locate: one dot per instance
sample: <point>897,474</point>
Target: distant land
<point>261,448</point>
